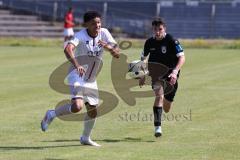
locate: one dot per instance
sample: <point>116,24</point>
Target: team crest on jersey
<point>87,42</point>
<point>164,49</point>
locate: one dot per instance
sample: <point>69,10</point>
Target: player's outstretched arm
<point>113,49</point>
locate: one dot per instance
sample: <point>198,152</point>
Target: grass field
<point>202,125</point>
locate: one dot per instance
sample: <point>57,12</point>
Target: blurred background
<point>191,19</point>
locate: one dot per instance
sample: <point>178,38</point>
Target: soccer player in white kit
<point>88,45</point>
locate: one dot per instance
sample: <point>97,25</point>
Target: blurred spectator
<point>68,25</point>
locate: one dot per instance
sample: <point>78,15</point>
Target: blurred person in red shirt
<point>68,25</point>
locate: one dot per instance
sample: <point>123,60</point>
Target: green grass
<point>187,43</point>
<point>209,88</point>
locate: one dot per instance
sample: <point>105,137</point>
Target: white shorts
<point>79,88</point>
<point>68,32</point>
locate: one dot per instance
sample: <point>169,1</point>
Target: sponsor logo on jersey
<point>164,49</point>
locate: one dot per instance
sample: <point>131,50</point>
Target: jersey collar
<point>89,34</point>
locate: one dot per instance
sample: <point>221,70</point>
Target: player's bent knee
<point>92,113</point>
<point>159,96</point>
<point>166,109</point>
<point>91,110</point>
<point>166,106</point>
<point>158,100</point>
<point>76,107</point>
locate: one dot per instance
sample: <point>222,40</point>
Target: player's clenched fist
<point>114,50</point>
<point>173,77</point>
<point>80,70</point>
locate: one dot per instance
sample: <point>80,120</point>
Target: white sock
<point>63,110</point>
<point>88,126</point>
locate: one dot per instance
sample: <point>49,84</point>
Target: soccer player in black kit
<point>165,58</point>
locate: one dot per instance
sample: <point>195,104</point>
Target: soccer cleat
<point>88,141</point>
<point>48,118</point>
<point>158,131</point>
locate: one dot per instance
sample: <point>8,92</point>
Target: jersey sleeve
<point>107,37</point>
<point>75,40</point>
<point>178,48</point>
<point>146,48</point>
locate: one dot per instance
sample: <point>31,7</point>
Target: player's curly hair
<point>158,21</point>
<point>89,15</point>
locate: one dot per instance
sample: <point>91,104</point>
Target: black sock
<point>157,112</point>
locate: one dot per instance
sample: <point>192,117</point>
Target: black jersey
<point>165,51</point>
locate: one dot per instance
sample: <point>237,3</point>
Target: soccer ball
<point>137,69</point>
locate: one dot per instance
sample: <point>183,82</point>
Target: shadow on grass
<point>4,148</point>
<point>126,139</point>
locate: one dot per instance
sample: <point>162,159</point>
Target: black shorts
<point>170,96</point>
<point>169,90</point>
<point>159,75</point>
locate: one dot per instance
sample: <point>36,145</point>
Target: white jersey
<point>88,52</point>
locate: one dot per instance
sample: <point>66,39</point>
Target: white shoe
<point>158,131</point>
<point>48,118</point>
<point>88,141</point>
